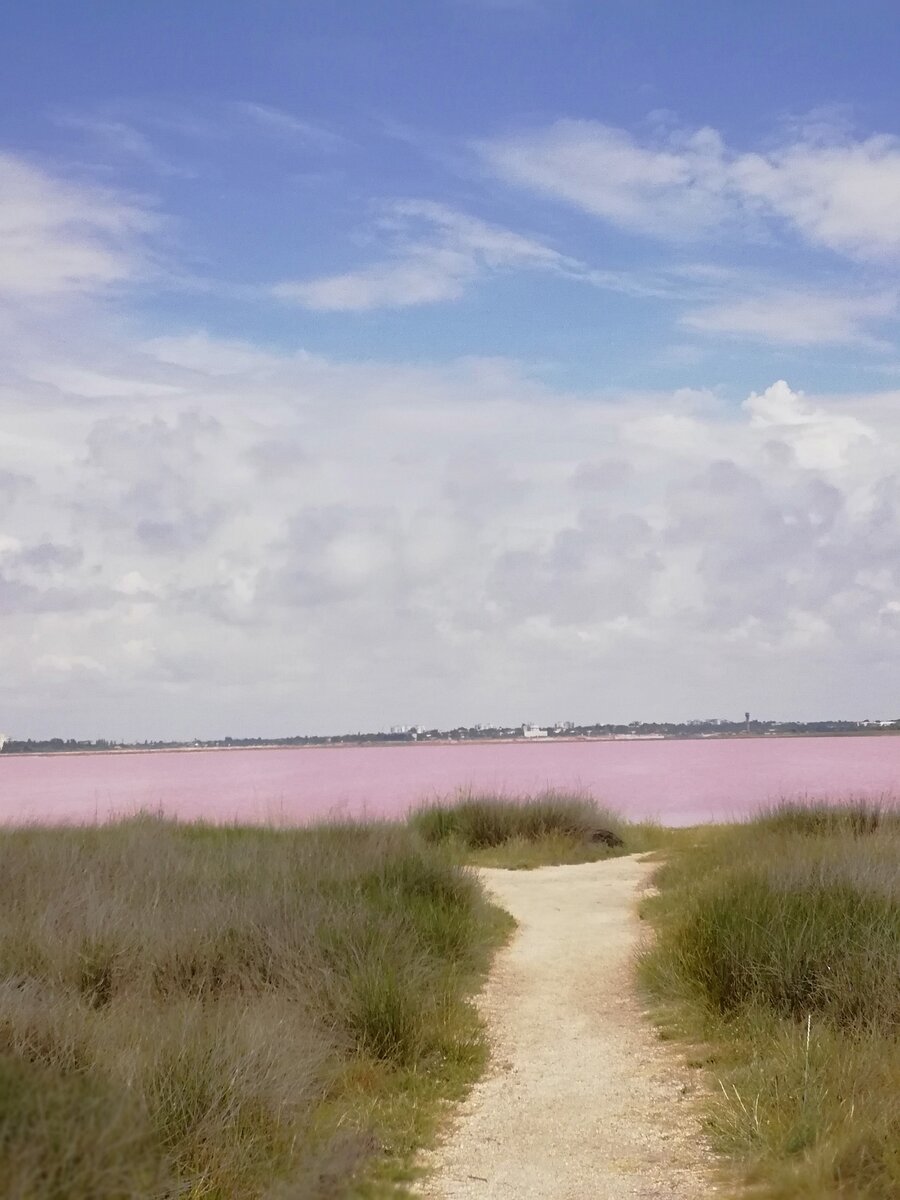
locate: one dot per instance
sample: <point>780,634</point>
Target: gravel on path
<point>581,1101</point>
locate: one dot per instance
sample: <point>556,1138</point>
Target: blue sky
<point>232,227</point>
<point>272,135</point>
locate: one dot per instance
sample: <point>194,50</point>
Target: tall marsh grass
<point>194,1011</point>
<point>779,944</point>
<point>529,831</point>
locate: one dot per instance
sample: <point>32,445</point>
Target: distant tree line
<point>49,745</point>
<point>668,729</point>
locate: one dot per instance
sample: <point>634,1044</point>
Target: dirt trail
<point>582,1102</point>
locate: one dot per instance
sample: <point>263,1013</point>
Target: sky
<point>469,361</point>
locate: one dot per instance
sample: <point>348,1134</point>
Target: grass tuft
<point>212,1012</point>
<point>779,946</point>
<point>530,831</point>
<point>816,818</point>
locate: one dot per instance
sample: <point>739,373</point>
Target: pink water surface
<point>678,782</point>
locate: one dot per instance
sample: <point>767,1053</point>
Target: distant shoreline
<point>443,742</point>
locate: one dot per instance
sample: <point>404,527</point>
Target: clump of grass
<point>530,831</point>
<point>779,944</point>
<point>854,818</point>
<point>200,1011</point>
<point>482,821</point>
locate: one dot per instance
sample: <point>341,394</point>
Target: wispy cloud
<point>275,122</point>
<point>60,239</point>
<point>669,190</point>
<point>434,253</point>
<point>123,139</point>
<point>134,129</point>
<point>799,317</point>
<point>832,189</point>
<point>844,195</point>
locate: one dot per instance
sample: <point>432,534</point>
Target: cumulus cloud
<point>819,438</point>
<point>458,542</point>
<point>153,480</point>
<point>200,536</point>
<point>835,191</point>
<point>13,484</point>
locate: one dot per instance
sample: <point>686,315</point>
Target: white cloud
<point>59,239</point>
<point>798,317</point>
<point>844,196</point>
<point>199,535</point>
<point>79,381</point>
<point>427,275</point>
<point>68,664</point>
<point>435,253</point>
<point>296,543</point>
<point>278,123</point>
<point>675,191</point>
<point>819,438</point>
<point>124,140</point>
<point>208,355</point>
<point>833,190</point>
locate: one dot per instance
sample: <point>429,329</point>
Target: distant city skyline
<point>468,357</point>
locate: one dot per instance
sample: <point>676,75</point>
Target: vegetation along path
<point>582,1100</point>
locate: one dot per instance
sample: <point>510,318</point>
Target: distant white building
<point>4,738</point>
<point>533,731</point>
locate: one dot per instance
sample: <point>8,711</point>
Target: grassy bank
<point>216,1012</point>
<point>520,832</point>
<point>200,1011</point>
<point>205,1012</point>
<point>778,956</point>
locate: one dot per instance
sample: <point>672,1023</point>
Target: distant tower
<point>747,721</point>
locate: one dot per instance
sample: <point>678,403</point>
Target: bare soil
<point>582,1101</point>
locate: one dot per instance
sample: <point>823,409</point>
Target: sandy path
<point>582,1101</point>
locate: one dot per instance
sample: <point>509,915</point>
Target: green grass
<point>522,832</point>
<point>778,953</point>
<point>214,1013</point>
<point>197,1011</point>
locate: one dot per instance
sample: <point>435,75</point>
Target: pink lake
<point>678,782</point>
